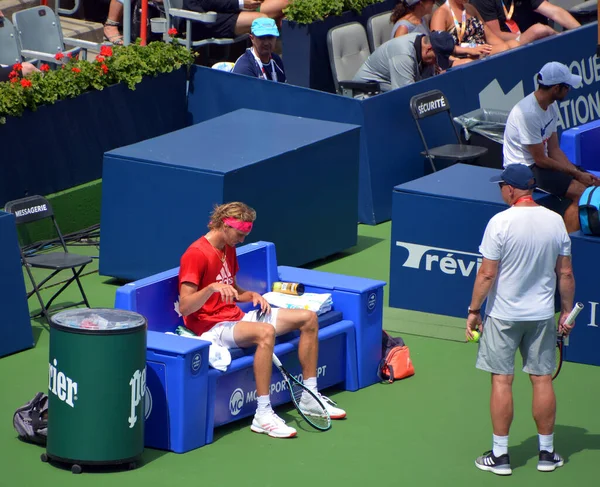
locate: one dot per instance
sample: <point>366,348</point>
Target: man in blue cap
<point>526,252</point>
<point>259,61</point>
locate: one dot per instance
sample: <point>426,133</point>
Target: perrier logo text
<point>60,385</point>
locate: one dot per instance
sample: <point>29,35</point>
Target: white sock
<point>547,442</point>
<point>264,404</point>
<point>311,384</point>
<point>500,445</point>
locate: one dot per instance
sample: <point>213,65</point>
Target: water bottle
<point>293,288</point>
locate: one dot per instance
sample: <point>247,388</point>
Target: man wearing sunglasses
<point>530,138</point>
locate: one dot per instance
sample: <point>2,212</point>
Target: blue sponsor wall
<point>390,145</point>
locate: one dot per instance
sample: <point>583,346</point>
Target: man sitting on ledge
<point>531,138</point>
<point>208,292</point>
<point>407,59</point>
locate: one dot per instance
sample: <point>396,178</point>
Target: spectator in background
<point>234,17</point>
<point>500,21</point>
<point>529,12</point>
<point>407,59</point>
<point>472,37</point>
<point>113,21</point>
<point>411,16</point>
<point>259,61</point>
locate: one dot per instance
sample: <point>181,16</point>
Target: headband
<point>240,225</point>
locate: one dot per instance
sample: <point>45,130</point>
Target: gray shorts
<point>500,340</point>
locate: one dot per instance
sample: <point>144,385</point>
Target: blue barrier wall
<point>60,146</point>
<point>15,326</point>
<point>390,151</point>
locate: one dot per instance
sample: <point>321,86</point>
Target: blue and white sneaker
<point>549,462</point>
<point>490,463</point>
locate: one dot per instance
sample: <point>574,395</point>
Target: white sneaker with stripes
<point>549,462</point>
<point>271,424</point>
<point>490,463</point>
<point>310,407</point>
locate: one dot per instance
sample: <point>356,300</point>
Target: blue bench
<point>186,400</point>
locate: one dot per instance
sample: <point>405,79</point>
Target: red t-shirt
<point>201,265</point>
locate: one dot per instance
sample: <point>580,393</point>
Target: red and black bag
<point>396,363</point>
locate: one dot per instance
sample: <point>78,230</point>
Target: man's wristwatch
<point>474,311</point>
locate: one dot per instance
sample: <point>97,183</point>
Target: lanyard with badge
<point>462,27</point>
<point>511,24</point>
<point>262,67</point>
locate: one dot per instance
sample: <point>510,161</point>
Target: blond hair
<point>235,209</point>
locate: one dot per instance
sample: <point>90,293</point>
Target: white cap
<point>556,73</point>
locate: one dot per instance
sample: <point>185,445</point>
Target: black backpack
<point>31,420</point>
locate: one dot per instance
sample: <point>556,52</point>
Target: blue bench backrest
<point>157,297</point>
<point>581,143</point>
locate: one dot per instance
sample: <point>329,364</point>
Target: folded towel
<point>218,357</point>
<point>319,303</point>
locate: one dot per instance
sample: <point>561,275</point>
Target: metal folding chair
<point>34,209</point>
<point>431,103</point>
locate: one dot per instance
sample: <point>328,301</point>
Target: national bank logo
<point>448,261</point>
<point>492,97</point>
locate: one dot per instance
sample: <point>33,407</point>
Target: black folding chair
<point>431,103</point>
<point>33,209</point>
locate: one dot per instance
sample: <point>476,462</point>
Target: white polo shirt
<point>527,242</point>
<point>528,124</point>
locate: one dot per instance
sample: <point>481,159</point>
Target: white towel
<point>218,357</point>
<point>319,303</point>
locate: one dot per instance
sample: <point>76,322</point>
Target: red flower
<point>106,51</point>
<point>104,68</point>
<point>44,67</point>
<point>17,67</point>
<point>100,59</point>
<point>69,55</point>
<point>58,56</point>
<point>76,70</point>
<point>25,83</point>
<point>14,80</point>
<point>172,31</point>
<point>13,74</point>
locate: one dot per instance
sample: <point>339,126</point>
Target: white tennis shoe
<point>310,407</point>
<point>272,425</point>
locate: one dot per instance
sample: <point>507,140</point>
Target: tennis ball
<point>476,336</point>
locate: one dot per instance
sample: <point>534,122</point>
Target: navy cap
<point>516,175</point>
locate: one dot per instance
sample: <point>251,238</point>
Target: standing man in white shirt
<point>530,138</point>
<point>526,251</point>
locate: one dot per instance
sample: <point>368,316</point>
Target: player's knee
<point>265,335</point>
<point>311,322</point>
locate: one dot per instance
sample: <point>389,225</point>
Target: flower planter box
<point>305,52</point>
<point>62,145</point>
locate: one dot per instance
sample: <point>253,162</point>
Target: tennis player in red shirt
<point>208,295</point>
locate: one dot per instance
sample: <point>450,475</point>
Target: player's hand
<point>563,328</point>
<point>474,322</point>
<point>228,292</point>
<point>257,299</point>
<point>586,178</point>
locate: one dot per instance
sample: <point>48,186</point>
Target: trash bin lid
<point>98,320</point>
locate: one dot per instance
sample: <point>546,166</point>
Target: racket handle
<point>276,361</point>
<point>573,314</point>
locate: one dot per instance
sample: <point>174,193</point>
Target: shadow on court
<point>568,441</point>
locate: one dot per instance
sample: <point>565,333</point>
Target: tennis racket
<point>315,412</point>
<point>562,340</point>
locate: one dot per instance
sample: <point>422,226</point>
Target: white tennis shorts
<point>222,333</point>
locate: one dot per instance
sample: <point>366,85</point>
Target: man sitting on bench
<point>208,294</point>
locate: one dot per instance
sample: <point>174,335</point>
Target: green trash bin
<point>96,387</point>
